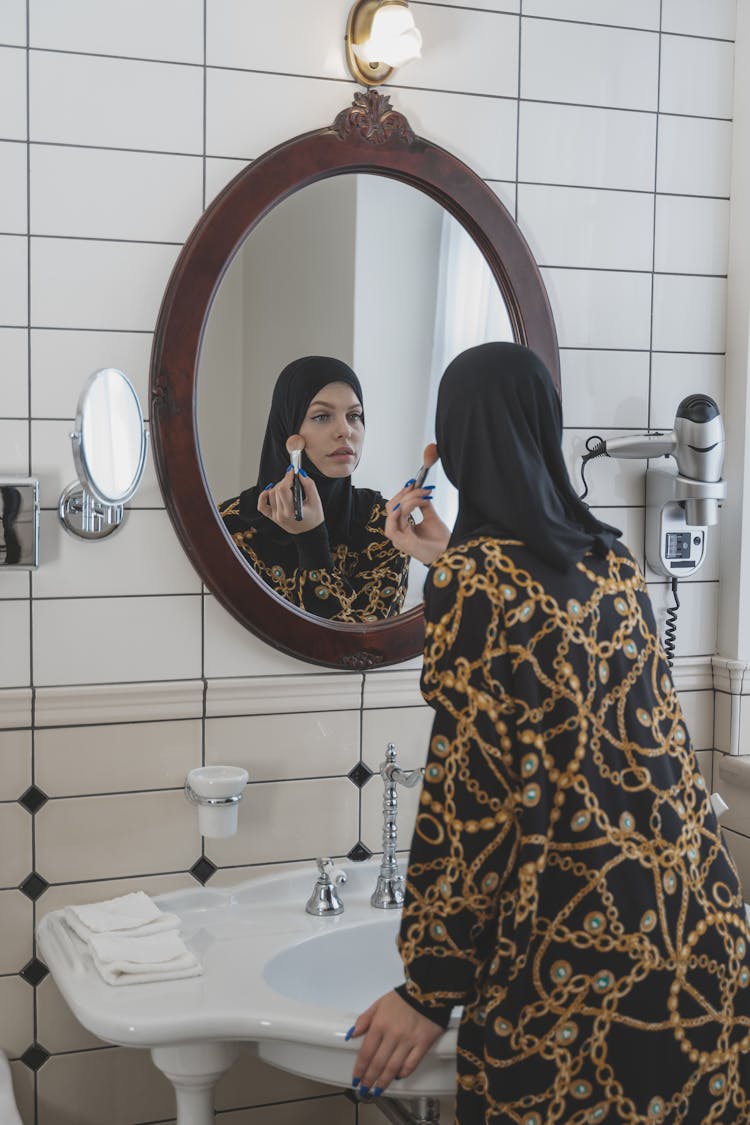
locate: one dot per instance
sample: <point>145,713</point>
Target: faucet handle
<point>329,873</point>
<point>324,898</point>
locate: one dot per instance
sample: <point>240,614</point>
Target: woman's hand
<point>277,503</point>
<point>396,1039</point>
<point>425,540</point>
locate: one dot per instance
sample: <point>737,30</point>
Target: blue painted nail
<point>355,1082</point>
<point>363,1090</point>
<point>289,469</point>
<point>377,1091</point>
<point>269,485</point>
<point>397,506</point>
<point>302,473</point>
<point>350,1032</point>
<point>428,486</point>
<point>410,482</point>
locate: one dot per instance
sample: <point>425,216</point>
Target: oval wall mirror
<point>359,241</point>
<point>109,439</point>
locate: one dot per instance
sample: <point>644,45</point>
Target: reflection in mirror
<point>109,450</point>
<point>370,271</point>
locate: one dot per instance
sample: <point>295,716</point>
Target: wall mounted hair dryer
<point>679,506</point>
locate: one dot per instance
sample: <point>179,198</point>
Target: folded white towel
<point>132,941</point>
<point>134,914</point>
<point>126,960</point>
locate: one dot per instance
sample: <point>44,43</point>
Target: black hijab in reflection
<point>295,389</point>
<point>498,430</point>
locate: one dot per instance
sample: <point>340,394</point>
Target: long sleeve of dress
<point>354,582</point>
<point>464,841</point>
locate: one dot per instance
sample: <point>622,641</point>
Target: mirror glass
<point>363,268</point>
<point>109,442</point>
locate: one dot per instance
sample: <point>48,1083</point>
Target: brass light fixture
<point>380,35</point>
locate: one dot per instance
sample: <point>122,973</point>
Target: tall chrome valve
<point>389,890</point>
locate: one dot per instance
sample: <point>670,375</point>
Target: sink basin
<point>273,976</point>
<point>333,971</point>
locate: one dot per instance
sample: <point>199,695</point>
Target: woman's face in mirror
<point>334,430</point>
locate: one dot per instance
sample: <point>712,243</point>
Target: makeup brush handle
<point>421,476</point>
<point>297,496</point>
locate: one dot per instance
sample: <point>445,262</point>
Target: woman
<point>568,883</point>
<point>337,561</point>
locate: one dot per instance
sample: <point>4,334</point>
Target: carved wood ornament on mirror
<point>369,136</point>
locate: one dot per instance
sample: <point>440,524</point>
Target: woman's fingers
<point>397,1037</point>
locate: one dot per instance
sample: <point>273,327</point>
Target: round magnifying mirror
<point>109,450</point>
<point>109,441</point>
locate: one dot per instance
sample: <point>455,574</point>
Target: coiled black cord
<point>670,629</point>
<point>598,449</point>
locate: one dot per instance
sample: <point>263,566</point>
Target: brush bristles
<point>295,443</point>
<point>430,455</point>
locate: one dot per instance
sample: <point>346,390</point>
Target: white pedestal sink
<point>272,975</point>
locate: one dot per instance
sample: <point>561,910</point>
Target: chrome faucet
<point>324,898</point>
<point>389,890</point>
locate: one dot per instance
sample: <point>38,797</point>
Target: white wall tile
<point>636,13</point>
<point>600,308</point>
<point>568,62</point>
<point>610,481</point>
<point>219,172</point>
<point>83,1085</point>
<point>13,22</point>
<point>472,52</point>
<point>14,443</point>
<point>71,569</point>
<point>707,249</point>
<point>737,796</point>
<point>121,756</point>
<point>272,747</point>
<point>14,364</point>
<point>698,709</point>
<point>479,131</point>
<point>739,848</point>
<point>689,313</point>
<point>14,271</point>
<point>16,931</point>
<point>112,285</point>
<point>96,837</point>
<point>334,1110</point>
<point>696,619</point>
<point>73,894</point>
<point>94,193</point>
<point>587,228</point>
<point>232,650</point>
<point>700,17</point>
<point>296,39</point>
<point>16,1016</point>
<point>15,844</point>
<point>251,1082</point>
<point>63,360</point>
<point>722,721</point>
<point>592,147</point>
<point>12,94</point>
<point>152,29</point>
<point>696,76</point>
<point>408,727</point>
<point>695,156</point>
<point>113,640</point>
<point>286,820</point>
<point>604,388</point>
<point>13,208</point>
<point>15,662</point>
<point>705,765</point>
<point>15,763</point>
<point>116,103</point>
<point>674,377</point>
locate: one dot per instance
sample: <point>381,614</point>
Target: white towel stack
<point>132,941</point>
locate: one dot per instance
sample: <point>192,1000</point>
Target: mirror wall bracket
<point>85,516</point>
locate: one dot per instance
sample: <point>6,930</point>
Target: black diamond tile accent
<point>360,775</point>
<point>35,972</point>
<point>34,886</point>
<point>33,799</point>
<point>35,1056</point>
<point>359,853</point>
<point>203,870</point>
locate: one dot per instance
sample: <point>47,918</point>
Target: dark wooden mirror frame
<point>368,136</point>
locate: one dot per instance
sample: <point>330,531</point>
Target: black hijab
<point>499,432</point>
<point>295,389</point>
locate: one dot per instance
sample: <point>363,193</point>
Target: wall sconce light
<point>380,35</point>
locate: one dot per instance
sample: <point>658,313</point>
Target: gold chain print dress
<point>568,883</point>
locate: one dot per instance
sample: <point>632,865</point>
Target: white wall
<point>118,123</point>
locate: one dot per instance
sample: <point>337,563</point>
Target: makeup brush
<point>294,446</point>
<point>429,457</point>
